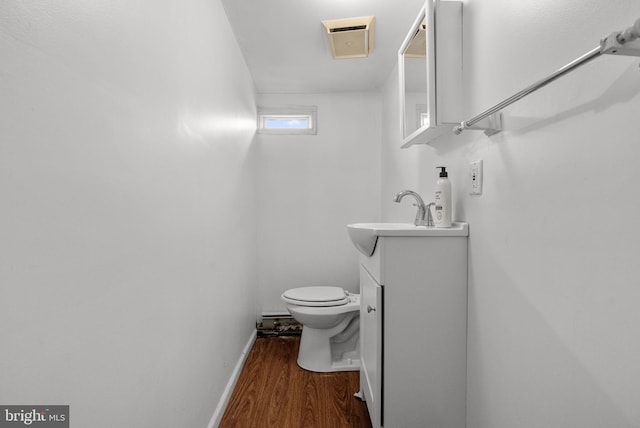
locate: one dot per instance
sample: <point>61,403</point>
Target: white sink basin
<point>365,235</point>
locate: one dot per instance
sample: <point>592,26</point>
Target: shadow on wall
<point>518,363</point>
<point>621,91</point>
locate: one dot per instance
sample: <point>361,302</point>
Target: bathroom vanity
<point>413,323</point>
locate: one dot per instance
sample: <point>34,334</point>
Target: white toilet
<point>330,318</point>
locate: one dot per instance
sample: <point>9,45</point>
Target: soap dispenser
<point>442,215</point>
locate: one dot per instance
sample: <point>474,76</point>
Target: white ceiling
<point>286,49</point>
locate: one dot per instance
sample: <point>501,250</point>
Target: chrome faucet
<point>423,210</point>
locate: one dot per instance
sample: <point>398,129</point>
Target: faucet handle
<point>429,216</point>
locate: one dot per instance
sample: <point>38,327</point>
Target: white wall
<point>309,187</point>
<point>553,275</point>
<point>125,227</point>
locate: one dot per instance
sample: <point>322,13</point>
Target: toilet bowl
<point>330,318</point>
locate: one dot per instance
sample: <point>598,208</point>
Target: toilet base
<point>322,350</point>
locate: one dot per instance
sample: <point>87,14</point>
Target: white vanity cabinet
<point>413,319</point>
<point>371,344</point>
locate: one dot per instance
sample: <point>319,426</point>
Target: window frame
<point>293,112</point>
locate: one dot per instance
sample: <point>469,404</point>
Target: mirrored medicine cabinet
<point>430,73</point>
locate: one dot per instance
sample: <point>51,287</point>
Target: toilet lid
<point>316,296</point>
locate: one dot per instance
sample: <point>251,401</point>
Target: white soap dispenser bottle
<point>442,215</point>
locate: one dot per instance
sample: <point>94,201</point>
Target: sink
<point>365,235</point>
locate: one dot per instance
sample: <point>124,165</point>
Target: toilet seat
<point>316,296</point>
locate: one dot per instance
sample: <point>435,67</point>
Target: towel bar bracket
<point>491,124</point>
<point>611,46</point>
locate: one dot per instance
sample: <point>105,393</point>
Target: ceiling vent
<point>418,46</point>
<point>350,37</point>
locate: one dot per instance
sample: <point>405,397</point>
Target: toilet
<point>330,318</point>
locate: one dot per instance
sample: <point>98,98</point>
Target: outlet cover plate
<point>475,177</point>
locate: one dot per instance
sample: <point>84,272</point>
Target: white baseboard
<point>226,394</point>
<point>276,314</point>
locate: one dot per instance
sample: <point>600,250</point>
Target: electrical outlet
<point>475,178</point>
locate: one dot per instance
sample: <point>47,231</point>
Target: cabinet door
<point>371,345</point>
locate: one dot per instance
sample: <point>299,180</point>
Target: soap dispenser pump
<point>442,217</point>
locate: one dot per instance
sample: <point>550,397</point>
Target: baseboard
<point>226,394</point>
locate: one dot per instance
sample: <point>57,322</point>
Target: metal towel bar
<point>617,43</point>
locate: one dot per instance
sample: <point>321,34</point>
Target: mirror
<point>415,82</point>
<point>428,110</point>
<point>414,72</point>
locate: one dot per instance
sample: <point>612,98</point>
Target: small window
<point>287,120</point>
<point>422,115</point>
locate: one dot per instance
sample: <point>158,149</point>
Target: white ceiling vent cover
<point>350,37</point>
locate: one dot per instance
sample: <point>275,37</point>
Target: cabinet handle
<point>370,309</point>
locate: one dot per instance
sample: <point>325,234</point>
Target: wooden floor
<point>273,391</point>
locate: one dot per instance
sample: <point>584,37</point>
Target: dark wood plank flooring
<point>273,391</point>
